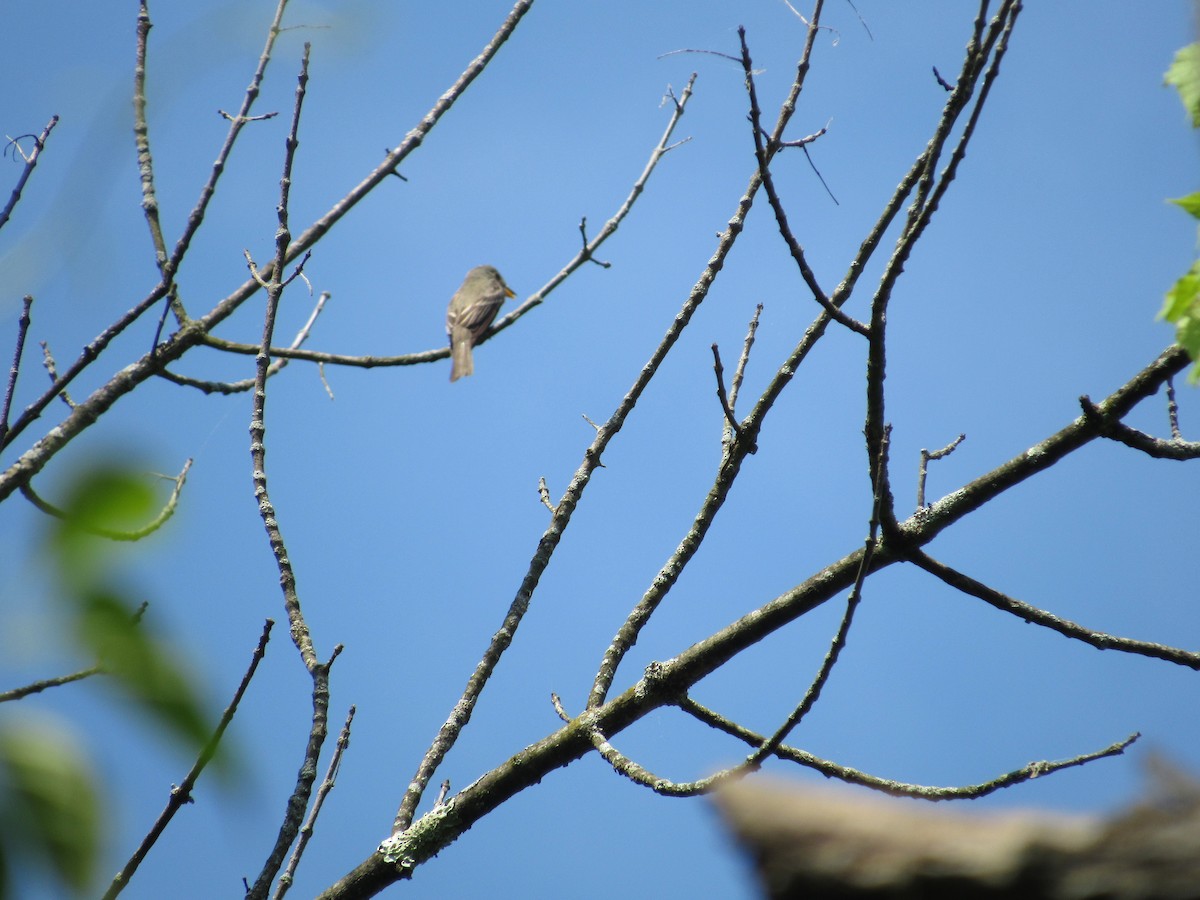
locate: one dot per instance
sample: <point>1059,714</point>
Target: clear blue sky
<point>410,505</point>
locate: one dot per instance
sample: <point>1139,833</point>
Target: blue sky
<point>410,505</point>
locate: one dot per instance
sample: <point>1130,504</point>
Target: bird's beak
<point>508,292</point>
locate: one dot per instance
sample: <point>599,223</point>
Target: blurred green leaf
<point>147,669</point>
<point>1182,303</point>
<point>1181,300</point>
<point>1184,75</point>
<point>1191,203</point>
<point>49,806</point>
<point>105,623</point>
<point>103,496</point>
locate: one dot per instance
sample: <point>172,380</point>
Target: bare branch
<point>610,227</point>
<point>14,370</point>
<point>331,359</point>
<point>829,769</point>
<point>1065,627</point>
<point>693,50</point>
<point>923,469</point>
<point>37,687</point>
<point>664,683</point>
<point>769,746</point>
<point>246,119</point>
<point>735,452</point>
<point>31,161</point>
<point>236,387</point>
<point>141,135</point>
<point>763,153</point>
<point>586,250</point>
<point>306,831</point>
<point>164,514</point>
<point>544,494</point>
<point>1118,431</point>
<point>722,397</point>
<point>183,793</point>
<point>740,373</point>
<point>1173,411</point>
<point>52,370</point>
<point>930,522</point>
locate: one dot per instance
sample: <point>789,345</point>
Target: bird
<point>472,310</point>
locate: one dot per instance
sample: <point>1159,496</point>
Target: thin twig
<point>306,831</point>
<point>740,372</point>
<point>1173,411</point>
<point>141,136</point>
<point>52,370</point>
<point>829,769</point>
<point>697,50</point>
<point>443,791</point>
<point>37,687</point>
<point>610,227</point>
<point>236,123</point>
<point>722,397</point>
<point>229,117</point>
<point>583,235</point>
<point>114,534</point>
<point>1114,429</point>
<point>23,324</point>
<point>183,793</point>
<point>544,494</point>
<point>324,358</point>
<point>31,161</point>
<point>1065,627</point>
<point>245,384</point>
<point>764,151</point>
<point>923,469</point>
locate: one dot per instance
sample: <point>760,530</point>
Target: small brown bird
<point>472,310</point>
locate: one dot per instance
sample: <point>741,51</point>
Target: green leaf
<point>1184,75</point>
<point>147,669</point>
<point>49,807</point>
<point>104,620</point>
<point>1187,335</point>
<point>1190,203</point>
<point>105,496</point>
<point>1183,298</point>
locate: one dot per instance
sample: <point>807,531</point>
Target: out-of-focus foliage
<point>1182,306</point>
<point>49,808</point>
<point>106,626</point>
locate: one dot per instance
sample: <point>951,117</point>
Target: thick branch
<point>666,682</point>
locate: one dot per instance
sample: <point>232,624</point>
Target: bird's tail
<point>462,362</point>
